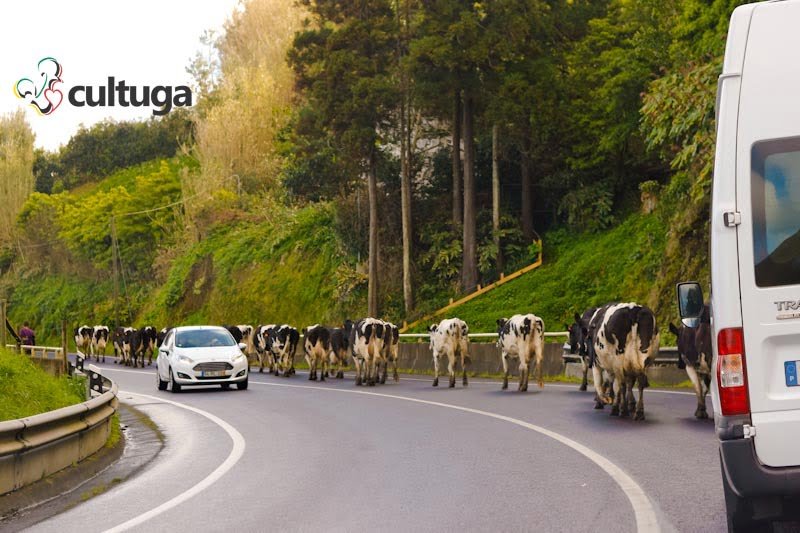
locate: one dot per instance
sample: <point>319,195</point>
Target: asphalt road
<point>293,455</point>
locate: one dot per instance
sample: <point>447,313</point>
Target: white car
<point>198,356</point>
<point>755,267</point>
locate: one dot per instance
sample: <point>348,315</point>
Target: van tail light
<point>732,372</point>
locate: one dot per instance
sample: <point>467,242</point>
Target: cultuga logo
<point>42,94</point>
<point>45,98</point>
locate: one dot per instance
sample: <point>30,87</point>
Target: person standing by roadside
<point>27,335</point>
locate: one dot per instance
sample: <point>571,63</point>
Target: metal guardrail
<point>668,355</point>
<point>39,351</point>
<point>481,335</point>
<point>34,447</point>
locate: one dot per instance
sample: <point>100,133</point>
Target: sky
<point>144,42</point>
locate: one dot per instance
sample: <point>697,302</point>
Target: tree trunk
<point>496,198</point>
<point>405,198</point>
<point>469,268</point>
<point>372,189</point>
<point>527,200</point>
<point>457,196</point>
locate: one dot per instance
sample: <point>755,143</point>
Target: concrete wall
<point>485,357</point>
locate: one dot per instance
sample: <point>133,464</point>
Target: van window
<point>775,189</point>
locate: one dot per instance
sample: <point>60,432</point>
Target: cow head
<point>578,337</point>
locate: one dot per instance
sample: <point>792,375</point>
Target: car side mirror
<point>690,302</point>
<point>242,346</point>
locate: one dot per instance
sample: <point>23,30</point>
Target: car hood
<point>218,353</point>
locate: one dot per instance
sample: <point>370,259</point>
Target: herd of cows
<point>617,342</point>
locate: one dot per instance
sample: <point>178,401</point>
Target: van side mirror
<point>690,302</point>
<point>242,346</point>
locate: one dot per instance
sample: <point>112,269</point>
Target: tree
<point>16,170</point>
<point>342,62</point>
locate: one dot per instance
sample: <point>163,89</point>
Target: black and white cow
<point>340,347</point>
<point>122,344</point>
<point>162,334</point>
<point>579,341</point>
<point>83,339</point>
<point>366,344</point>
<point>625,341</point>
<point>99,342</point>
<point>521,337</point>
<point>694,350</point>
<point>149,335</point>
<point>262,342</point>
<point>283,346</point>
<point>391,345</point>
<point>317,347</point>
<point>450,338</point>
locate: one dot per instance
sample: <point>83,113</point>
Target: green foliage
<point>82,219</point>
<point>292,270</point>
<point>107,146</point>
<point>27,390</point>
<point>580,271</point>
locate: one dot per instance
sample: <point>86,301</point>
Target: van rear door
<point>768,198</point>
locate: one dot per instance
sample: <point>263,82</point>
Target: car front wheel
<point>162,385</point>
<point>174,386</point>
<point>242,385</point>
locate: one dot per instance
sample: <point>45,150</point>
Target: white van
<point>755,265</point>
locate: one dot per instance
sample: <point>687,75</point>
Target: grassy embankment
<point>26,389</point>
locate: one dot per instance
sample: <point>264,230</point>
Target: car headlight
<point>185,359</point>
<point>239,358</point>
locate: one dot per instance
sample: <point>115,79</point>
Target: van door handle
<point>732,218</point>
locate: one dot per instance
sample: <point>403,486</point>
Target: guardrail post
<point>96,382</point>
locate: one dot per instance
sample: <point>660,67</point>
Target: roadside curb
<point>141,441</point>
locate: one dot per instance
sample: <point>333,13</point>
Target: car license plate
<point>212,373</point>
<point>790,368</point>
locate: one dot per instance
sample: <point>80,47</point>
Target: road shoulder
<point>140,442</point>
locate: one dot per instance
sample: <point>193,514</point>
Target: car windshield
<point>203,338</point>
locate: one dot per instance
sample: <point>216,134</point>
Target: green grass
<point>579,271</point>
<point>116,433</point>
<point>27,390</point>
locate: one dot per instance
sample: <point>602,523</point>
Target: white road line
<point>233,457</point>
<point>404,378</point>
<point>642,508</point>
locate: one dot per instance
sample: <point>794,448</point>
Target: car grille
<point>211,366</point>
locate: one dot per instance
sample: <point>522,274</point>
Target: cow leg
<point>585,370</point>
<point>599,393</point>
<point>358,370</point>
<point>504,358</point>
<point>325,369</point>
<point>625,410</point>
<point>538,358</point>
<point>619,392</point>
<point>372,371</point>
<point>435,370</point>
<point>700,412</point>
<point>630,400</point>
<point>464,364</point>
<point>394,366</point>
<point>640,404</point>
<point>385,373</point>
<point>451,367</point>
<point>523,375</point>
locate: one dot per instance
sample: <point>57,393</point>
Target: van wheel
<point>739,510</point>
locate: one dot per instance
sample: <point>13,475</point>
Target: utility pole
<point>115,270</point>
